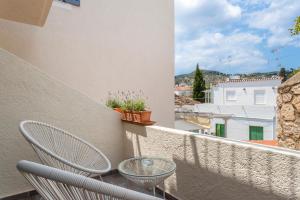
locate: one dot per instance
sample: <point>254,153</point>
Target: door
<point>256,133</point>
<point>220,130</point>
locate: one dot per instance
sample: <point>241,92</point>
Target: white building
<point>243,109</point>
<point>246,92</point>
<point>183,90</point>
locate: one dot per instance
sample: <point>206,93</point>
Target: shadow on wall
<point>206,185</point>
<point>216,184</point>
<point>132,142</point>
<point>212,170</point>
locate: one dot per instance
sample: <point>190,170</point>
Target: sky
<point>236,36</point>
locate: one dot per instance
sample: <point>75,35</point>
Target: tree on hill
<point>293,72</point>
<point>296,28</point>
<point>295,31</point>
<point>283,74</point>
<point>198,85</point>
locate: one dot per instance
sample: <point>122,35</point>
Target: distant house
<point>246,92</point>
<point>183,90</point>
<point>242,109</point>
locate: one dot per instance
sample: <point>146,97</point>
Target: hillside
<point>214,77</point>
<point>210,76</point>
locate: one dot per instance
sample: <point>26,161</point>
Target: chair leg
<point>164,191</point>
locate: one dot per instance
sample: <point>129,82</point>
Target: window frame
<point>256,130</point>
<point>220,130</point>
<point>257,92</point>
<point>235,95</point>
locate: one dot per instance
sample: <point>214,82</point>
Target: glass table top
<point>146,166</point>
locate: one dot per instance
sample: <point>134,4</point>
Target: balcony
<point>64,88</point>
<point>207,167</point>
<point>213,168</point>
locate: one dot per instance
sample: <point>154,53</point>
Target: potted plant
<point>140,114</point>
<point>131,105</point>
<point>114,104</point>
<point>127,108</point>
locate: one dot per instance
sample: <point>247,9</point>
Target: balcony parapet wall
<point>212,168</point>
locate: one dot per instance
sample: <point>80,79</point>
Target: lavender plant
<point>127,101</point>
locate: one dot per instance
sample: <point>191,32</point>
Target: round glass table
<point>147,171</point>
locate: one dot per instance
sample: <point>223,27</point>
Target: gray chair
<point>60,149</point>
<point>54,184</point>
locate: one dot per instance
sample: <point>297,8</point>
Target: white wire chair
<point>60,149</point>
<point>53,184</point>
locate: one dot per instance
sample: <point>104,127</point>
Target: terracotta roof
<point>265,142</point>
<point>250,80</point>
<point>183,88</point>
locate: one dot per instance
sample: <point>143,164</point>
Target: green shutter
<point>256,133</point>
<point>260,133</point>
<point>220,130</point>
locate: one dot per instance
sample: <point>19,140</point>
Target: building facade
<point>261,92</point>
<point>243,109</point>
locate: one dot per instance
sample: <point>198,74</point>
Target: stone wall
<point>288,113</point>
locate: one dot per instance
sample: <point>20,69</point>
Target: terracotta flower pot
<point>123,115</point>
<point>145,116</point>
<point>136,116</point>
<point>129,116</point>
<point>142,116</point>
<point>118,110</point>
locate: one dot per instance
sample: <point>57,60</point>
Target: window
<point>220,130</point>
<point>230,95</point>
<point>73,2</point>
<point>259,97</point>
<point>256,133</point>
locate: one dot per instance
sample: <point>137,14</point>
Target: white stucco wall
<point>238,128</point>
<point>246,97</point>
<point>241,118</point>
<point>262,112</point>
<point>211,168</point>
<point>27,93</point>
<point>102,46</point>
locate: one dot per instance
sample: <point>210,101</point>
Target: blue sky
<point>236,36</point>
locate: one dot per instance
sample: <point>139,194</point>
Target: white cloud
<point>188,4</point>
<point>227,9</point>
<point>236,52</point>
<point>197,15</point>
<point>277,18</point>
<point>246,3</point>
<point>232,35</point>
